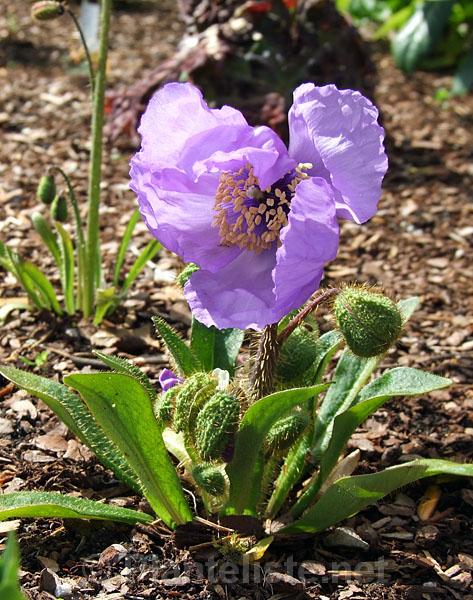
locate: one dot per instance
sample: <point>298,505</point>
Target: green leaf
<point>54,505</point>
<point>421,33</point>
<point>13,263</point>
<point>395,21</point>
<point>463,79</point>
<point>124,246</point>
<point>183,357</point>
<point>47,235</point>
<point>67,267</point>
<point>408,306</point>
<point>227,347</point>
<point>245,469</point>
<point>347,496</point>
<point>203,344</point>
<point>401,381</point>
<point>124,410</point>
<point>9,568</point>
<point>43,286</point>
<point>216,348</point>
<point>74,414</point>
<point>106,300</point>
<point>148,253</point>
<point>121,365</point>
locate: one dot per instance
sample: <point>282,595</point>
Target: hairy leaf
<point>349,495</point>
<point>74,414</point>
<point>54,505</point>
<point>183,357</point>
<point>123,409</point>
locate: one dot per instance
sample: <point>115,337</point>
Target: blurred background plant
<point>76,251</point>
<point>425,34</point>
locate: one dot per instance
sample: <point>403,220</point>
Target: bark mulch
<point>419,243</point>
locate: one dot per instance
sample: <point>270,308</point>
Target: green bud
<point>185,274</point>
<point>215,425</point>
<point>59,208</point>
<point>46,191</point>
<point>369,321</point>
<point>192,395</point>
<point>47,10</point>
<point>298,354</point>
<point>209,478</point>
<point>285,432</point>
<point>164,407</point>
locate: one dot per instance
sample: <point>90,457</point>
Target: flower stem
<point>304,313</point>
<point>262,377</point>
<point>80,239</point>
<point>93,266</point>
<point>86,49</point>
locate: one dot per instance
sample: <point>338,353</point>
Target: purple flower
<point>260,220</point>
<point>168,379</point>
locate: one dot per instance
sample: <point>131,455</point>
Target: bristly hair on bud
<point>209,478</point>
<point>285,432</point>
<point>46,191</point>
<point>216,424</point>
<point>47,10</point>
<point>298,354</point>
<point>186,274</point>
<point>59,208</point>
<point>369,321</point>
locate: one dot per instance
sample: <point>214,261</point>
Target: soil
<point>419,243</point>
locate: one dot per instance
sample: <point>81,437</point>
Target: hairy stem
<point>92,271</point>
<point>304,313</point>
<point>262,377</point>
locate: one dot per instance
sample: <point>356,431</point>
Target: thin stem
<point>81,247</point>
<point>262,377</point>
<point>92,275</point>
<point>86,50</point>
<point>303,314</point>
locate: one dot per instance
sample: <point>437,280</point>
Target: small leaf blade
<point>130,228</point>
<point>184,358</point>
<point>347,496</point>
<point>55,505</point>
<point>148,253</point>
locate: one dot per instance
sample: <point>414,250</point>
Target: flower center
<point>248,216</point>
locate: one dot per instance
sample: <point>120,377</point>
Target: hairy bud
<point>47,10</point>
<point>209,478</point>
<point>216,423</point>
<point>298,354</point>
<point>46,191</point>
<point>192,395</point>
<point>164,408</point>
<point>59,208</point>
<point>369,321</point>
<point>285,432</point>
<point>185,274</point>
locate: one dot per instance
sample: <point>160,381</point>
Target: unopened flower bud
<point>193,394</point>
<point>164,407</point>
<point>47,10</point>
<point>298,354</point>
<point>185,274</point>
<point>216,424</point>
<point>46,189</point>
<point>209,478</point>
<point>369,321</point>
<point>285,432</point>
<point>59,208</point>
